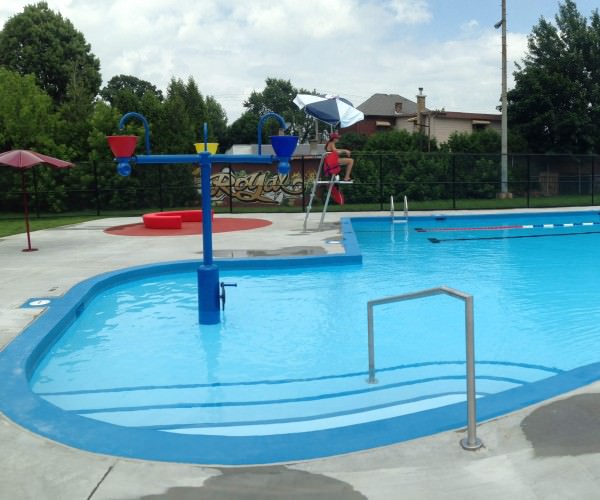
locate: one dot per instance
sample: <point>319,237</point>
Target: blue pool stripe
<point>340,394</point>
<point>308,418</point>
<point>480,365</point>
<point>521,236</point>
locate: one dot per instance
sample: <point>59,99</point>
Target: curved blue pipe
<point>140,117</point>
<point>279,118</point>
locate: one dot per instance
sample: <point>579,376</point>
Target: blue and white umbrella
<point>328,109</point>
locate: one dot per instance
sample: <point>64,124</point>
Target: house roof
<point>470,116</point>
<point>385,105</point>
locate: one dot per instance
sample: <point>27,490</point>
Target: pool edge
<point>35,414</point>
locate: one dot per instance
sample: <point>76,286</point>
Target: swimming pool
<point>283,376</point>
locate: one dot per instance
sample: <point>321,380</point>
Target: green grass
<point>17,226</point>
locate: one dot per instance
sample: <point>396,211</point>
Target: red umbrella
<point>23,159</point>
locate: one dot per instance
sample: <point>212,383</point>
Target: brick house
<point>394,112</point>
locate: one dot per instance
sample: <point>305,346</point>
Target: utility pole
<point>504,103</point>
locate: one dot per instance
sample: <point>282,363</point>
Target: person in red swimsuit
<point>345,162</point>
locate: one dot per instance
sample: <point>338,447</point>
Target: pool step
<point>283,406</point>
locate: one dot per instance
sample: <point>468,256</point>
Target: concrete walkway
<point>548,451</point>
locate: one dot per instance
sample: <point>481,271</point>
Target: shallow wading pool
<point>120,365</point>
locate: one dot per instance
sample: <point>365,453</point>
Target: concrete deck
<point>551,450</point>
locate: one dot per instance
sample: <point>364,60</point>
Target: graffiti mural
<point>255,187</point>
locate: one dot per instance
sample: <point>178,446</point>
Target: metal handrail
<point>471,442</point>
<point>392,209</point>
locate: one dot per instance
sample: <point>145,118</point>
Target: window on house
<point>480,125</point>
<point>398,108</point>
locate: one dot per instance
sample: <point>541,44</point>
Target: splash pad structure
<point>123,148</point>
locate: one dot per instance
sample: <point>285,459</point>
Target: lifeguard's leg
<point>348,163</point>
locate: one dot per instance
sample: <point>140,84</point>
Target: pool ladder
<point>399,221</point>
<point>471,442</point>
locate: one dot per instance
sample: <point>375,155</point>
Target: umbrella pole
<point>26,206</point>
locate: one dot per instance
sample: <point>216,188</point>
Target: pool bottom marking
<point>504,228</point>
<point>445,240</point>
<point>246,410</point>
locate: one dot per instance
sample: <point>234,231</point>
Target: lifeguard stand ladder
<point>332,180</point>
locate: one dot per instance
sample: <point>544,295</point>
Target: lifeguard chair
<point>329,166</point>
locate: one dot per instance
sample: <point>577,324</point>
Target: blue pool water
<point>289,359</point>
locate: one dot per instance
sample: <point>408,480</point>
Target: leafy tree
<point>27,120</point>
<point>482,141</point>
<point>103,122</point>
<point>391,163</point>
<point>277,97</point>
<point>75,120</point>
<point>217,122</point>
<point>554,105</point>
<point>126,92</point>
<point>177,129</point>
<point>475,163</point>
<point>393,141</point>
<point>353,141</point>
<point>244,129</point>
<point>39,41</point>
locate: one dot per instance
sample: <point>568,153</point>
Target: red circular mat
<point>219,225</point>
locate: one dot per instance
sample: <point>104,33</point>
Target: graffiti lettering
<point>258,187</point>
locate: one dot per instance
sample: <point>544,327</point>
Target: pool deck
<point>549,450</point>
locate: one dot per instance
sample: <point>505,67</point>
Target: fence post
<point>454,181</point>
<point>528,180</point>
<point>593,178</point>
<point>230,172</point>
<point>380,181</point>
<point>96,186</point>
<point>160,187</point>
<point>36,193</point>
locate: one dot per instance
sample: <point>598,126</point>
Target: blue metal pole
<point>193,158</point>
<point>205,165</point>
<point>208,273</point>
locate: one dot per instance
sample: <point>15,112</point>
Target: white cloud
<point>352,48</point>
<point>411,11</point>
<point>470,26</point>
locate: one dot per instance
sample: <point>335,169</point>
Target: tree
<point>244,129</point>
<point>217,122</point>
<point>481,141</point>
<point>40,42</point>
<point>27,120</point>
<point>125,92</point>
<point>477,169</point>
<point>104,121</point>
<point>277,97</point>
<point>554,105</point>
<point>176,132</point>
<point>75,120</point>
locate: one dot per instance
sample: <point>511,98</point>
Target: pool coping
<point>21,405</point>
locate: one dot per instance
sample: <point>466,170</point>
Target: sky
<point>350,48</point>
